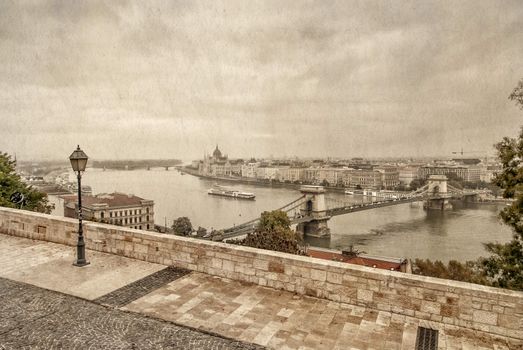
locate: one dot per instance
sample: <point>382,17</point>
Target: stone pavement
<point>283,320</point>
<point>36,318</point>
<point>251,313</point>
<point>49,265</point>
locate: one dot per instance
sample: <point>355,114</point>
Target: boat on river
<point>224,192</point>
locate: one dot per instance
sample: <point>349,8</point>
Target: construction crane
<point>462,152</point>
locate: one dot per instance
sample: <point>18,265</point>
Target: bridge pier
<point>315,208</point>
<point>314,228</point>
<point>437,187</point>
<point>437,204</point>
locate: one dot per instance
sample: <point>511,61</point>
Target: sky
<point>171,79</point>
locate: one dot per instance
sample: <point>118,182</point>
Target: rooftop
<point>394,264</point>
<point>115,199</point>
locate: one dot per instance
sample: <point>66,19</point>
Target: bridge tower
<point>315,210</point>
<point>438,194</point>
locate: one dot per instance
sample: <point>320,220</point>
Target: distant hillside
<point>135,164</point>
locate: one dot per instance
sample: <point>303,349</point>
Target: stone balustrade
<point>492,310</point>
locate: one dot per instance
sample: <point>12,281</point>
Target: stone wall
<point>467,305</point>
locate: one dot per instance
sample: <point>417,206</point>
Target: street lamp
<point>78,161</point>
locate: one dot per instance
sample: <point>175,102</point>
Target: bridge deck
<point>373,205</point>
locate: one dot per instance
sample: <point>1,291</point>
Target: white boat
<point>349,192</point>
<point>220,191</point>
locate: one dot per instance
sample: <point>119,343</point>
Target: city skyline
<point>309,79</point>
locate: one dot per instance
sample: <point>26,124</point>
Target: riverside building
<point>113,208</point>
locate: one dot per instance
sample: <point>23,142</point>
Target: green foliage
<point>505,265</point>
<point>10,183</point>
<point>182,226</point>
<point>517,94</point>
<point>417,183</point>
<point>269,221</point>
<point>274,233</point>
<point>201,231</point>
<point>325,183</point>
<point>469,271</point>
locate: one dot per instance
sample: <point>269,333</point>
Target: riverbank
<point>277,184</point>
<point>256,182</point>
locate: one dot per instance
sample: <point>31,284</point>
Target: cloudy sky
<point>169,78</point>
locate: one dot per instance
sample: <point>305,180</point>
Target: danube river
<point>404,230</point>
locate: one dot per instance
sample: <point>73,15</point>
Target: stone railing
<point>475,307</point>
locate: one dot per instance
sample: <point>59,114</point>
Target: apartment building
<point>113,208</point>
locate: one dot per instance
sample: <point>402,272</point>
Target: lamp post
<point>78,161</point>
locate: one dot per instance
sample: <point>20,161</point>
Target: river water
<point>404,230</point>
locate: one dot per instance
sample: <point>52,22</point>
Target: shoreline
<point>278,184</point>
<point>255,182</point>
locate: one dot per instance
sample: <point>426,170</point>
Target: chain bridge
<point>312,210</point>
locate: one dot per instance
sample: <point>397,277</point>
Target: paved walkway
<point>245,312</point>
<point>36,318</point>
<point>50,266</point>
<point>283,320</point>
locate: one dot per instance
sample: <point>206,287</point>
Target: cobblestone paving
<point>138,289</point>
<point>35,318</point>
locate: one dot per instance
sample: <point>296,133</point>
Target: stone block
<point>507,304</point>
<point>498,309</point>
<point>334,277</point>
<point>486,307</point>
<point>430,307</point>
<point>291,287</point>
<point>349,280</point>
<point>383,307</point>
<point>507,321</point>
<point>436,318</point>
<point>448,310</point>
<point>244,269</point>
<point>182,257</point>
<point>140,248</point>
<point>449,320</point>
<point>228,265</point>
<point>275,284</point>
<point>216,263</point>
<point>365,295</point>
<point>415,292</point>
<point>466,317</point>
<point>260,264</point>
<point>485,317</point>
<point>318,275</point>
<point>276,266</point>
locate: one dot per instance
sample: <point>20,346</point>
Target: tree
<point>505,265</point>
<point>467,272</point>
<point>494,189</point>
<point>182,226</point>
<point>417,183</point>
<point>325,183</point>
<point>274,233</point>
<point>517,94</point>
<point>201,231</point>
<point>11,183</point>
<point>454,181</point>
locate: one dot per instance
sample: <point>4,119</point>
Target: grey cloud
<point>261,77</point>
